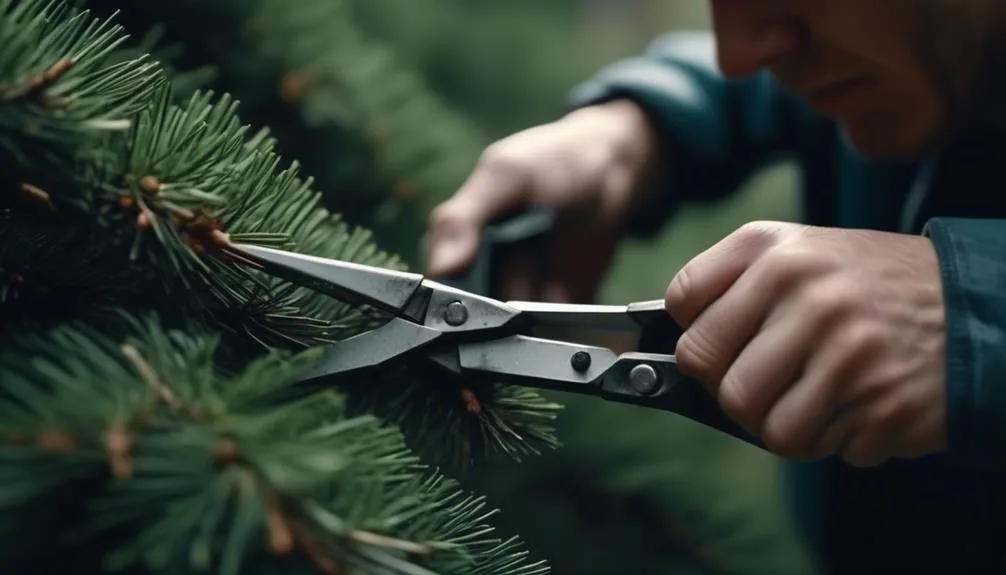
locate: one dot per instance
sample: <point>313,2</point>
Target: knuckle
<point>860,339</point>
<point>501,157</point>
<point>736,401</point>
<point>781,438</point>
<point>442,215</point>
<point>678,290</point>
<point>757,231</point>
<point>791,263</point>
<point>831,300</point>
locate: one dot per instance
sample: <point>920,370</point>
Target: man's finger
<point>456,226</point>
<point>766,368</point>
<point>717,335</point>
<point>710,274</point>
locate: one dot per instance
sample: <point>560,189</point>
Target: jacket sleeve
<point>719,131</point>
<point>972,254</point>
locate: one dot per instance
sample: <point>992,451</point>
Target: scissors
<point>459,328</point>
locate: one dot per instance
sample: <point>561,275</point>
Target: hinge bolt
<point>643,379</point>
<point>580,361</point>
<point>456,313</point>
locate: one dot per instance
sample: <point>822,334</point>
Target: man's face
<point>899,75</point>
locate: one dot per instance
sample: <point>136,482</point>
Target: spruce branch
<point>190,180</point>
<point>141,427</point>
<point>184,180</point>
<point>58,96</point>
<point>208,472</point>
<point>457,423</point>
<point>328,90</point>
<point>195,181</point>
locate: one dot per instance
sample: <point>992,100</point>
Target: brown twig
<point>201,231</point>
<point>37,195</point>
<point>377,540</point>
<point>149,376</point>
<point>471,400</point>
<point>119,447</point>
<point>36,87</point>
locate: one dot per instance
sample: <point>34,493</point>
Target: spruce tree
<point>148,418</point>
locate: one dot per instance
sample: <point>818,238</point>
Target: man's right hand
<point>591,166</point>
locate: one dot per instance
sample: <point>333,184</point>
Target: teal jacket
<point>921,516</point>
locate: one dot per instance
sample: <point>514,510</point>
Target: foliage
<point>381,145</point>
<point>146,419</point>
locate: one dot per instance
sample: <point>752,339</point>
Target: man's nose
<point>751,36</point>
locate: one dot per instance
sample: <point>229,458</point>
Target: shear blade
<point>374,349</point>
<point>360,284</point>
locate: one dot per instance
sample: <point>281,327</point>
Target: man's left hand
<point>820,341</point>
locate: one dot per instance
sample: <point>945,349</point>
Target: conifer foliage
<point>326,89</point>
<point>148,421</point>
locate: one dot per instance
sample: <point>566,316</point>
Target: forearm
<point>639,164</point>
<point>712,133</point>
<point>972,256</point>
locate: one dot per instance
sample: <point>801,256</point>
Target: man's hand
<point>820,341</point>
<point>589,165</point>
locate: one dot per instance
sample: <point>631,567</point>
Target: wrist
<point>637,169</point>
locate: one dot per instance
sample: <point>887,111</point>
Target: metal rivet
<point>580,361</point>
<point>456,313</point>
<point>643,378</point>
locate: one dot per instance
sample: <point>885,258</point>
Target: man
<point>866,347</point>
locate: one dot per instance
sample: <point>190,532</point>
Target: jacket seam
<point>960,387</point>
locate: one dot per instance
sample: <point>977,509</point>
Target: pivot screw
<point>643,379</point>
<point>580,361</point>
<point>456,313</point>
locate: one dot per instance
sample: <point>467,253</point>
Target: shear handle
<point>645,379</point>
<point>653,380</point>
<point>520,231</point>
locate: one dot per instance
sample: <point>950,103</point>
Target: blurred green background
<point>631,491</point>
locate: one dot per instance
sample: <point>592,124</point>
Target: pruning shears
<point>458,327</point>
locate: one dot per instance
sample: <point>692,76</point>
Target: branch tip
<point>119,447</point>
<point>150,185</point>
<point>225,451</point>
<point>281,538</point>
